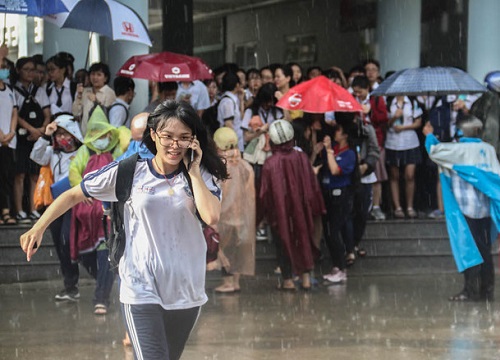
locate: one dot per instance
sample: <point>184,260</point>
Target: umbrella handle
<point>88,50</point>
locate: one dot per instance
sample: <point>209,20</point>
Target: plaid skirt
<point>403,157</point>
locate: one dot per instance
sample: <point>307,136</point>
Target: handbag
<point>43,196</point>
<point>212,240</point>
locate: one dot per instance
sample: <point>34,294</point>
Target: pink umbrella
<point>319,95</point>
<point>164,67</point>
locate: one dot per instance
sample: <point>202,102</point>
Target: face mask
<point>4,74</point>
<point>101,144</point>
<point>66,145</point>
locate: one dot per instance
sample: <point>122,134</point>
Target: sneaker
<point>261,234</point>
<point>436,214</point>
<point>377,214</point>
<point>35,215</point>
<point>335,270</point>
<point>22,218</point>
<point>338,278</point>
<point>70,295</point>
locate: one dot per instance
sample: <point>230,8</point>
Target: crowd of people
<point>297,178</point>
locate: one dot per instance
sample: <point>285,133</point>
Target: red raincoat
<point>291,198</point>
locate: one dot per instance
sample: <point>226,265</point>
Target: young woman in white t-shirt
<point>403,151</point>
<point>162,270</point>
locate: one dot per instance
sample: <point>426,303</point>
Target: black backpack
<point>115,240</point>
<point>209,119</point>
<point>440,119</point>
<point>30,110</point>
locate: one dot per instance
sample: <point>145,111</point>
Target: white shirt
<point>407,139</point>
<point>164,261</point>
<point>229,109</point>
<point>118,114</point>
<point>266,116</point>
<point>66,99</point>
<point>200,100</point>
<point>7,104</point>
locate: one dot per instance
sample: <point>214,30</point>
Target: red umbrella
<point>165,66</point>
<point>319,95</point>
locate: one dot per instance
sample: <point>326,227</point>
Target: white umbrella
<point>106,17</point>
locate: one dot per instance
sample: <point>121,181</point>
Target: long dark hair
<point>265,94</point>
<point>184,112</point>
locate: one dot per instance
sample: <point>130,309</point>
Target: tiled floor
<point>405,317</point>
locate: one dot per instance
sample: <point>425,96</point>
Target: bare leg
<point>410,185</point>
<point>439,195</point>
<point>394,181</point>
<point>18,192</point>
<point>377,193</point>
<point>33,180</point>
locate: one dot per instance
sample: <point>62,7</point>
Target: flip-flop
<point>100,309</point>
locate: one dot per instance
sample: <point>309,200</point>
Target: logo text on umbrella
<point>128,29</point>
<point>295,100</point>
<point>344,104</point>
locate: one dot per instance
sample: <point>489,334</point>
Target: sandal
<point>399,214</point>
<point>412,214</point>
<point>7,219</point>
<point>361,252</point>
<point>350,259</point>
<point>100,309</point>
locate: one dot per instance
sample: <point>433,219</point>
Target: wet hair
<point>60,62</point>
<point>300,125</point>
<point>229,81</point>
<point>252,71</point>
<point>38,59</point>
<point>167,86</point>
<point>79,73</point>
<point>361,81</point>
<point>357,68</point>
<point>20,64</point>
<point>292,64</point>
<point>122,85</point>
<point>100,66</point>
<point>372,61</point>
<point>69,58</point>
<point>287,71</point>
<point>311,68</point>
<point>265,94</point>
<point>185,113</point>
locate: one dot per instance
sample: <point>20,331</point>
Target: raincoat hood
<point>97,126</point>
<point>67,123</point>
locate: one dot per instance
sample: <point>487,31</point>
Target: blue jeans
<point>97,264</point>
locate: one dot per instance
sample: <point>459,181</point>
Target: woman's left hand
<point>193,163</point>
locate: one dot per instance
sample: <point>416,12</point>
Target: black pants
<point>362,203</point>
<point>480,279</point>
<point>156,333</point>
<point>337,223</point>
<point>6,177</point>
<point>60,230</point>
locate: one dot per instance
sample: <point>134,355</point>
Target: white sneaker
<point>335,270</point>
<point>377,214</point>
<point>35,215</point>
<point>338,278</point>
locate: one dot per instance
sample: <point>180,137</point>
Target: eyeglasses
<point>168,141</point>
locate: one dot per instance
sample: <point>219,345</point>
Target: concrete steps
<point>394,247</point>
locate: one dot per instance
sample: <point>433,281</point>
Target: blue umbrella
<point>435,81</point>
<point>32,7</point>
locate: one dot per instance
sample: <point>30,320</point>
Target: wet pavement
<point>372,317</point>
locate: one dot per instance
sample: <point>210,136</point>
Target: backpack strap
<point>119,104</point>
<point>125,177</point>
<point>188,179</point>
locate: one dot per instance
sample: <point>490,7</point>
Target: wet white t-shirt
<point>164,261</point>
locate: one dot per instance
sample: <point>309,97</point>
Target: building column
<point>73,41</point>
<point>178,35</point>
<point>483,46</point>
<point>115,53</point>
<point>398,34</point>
